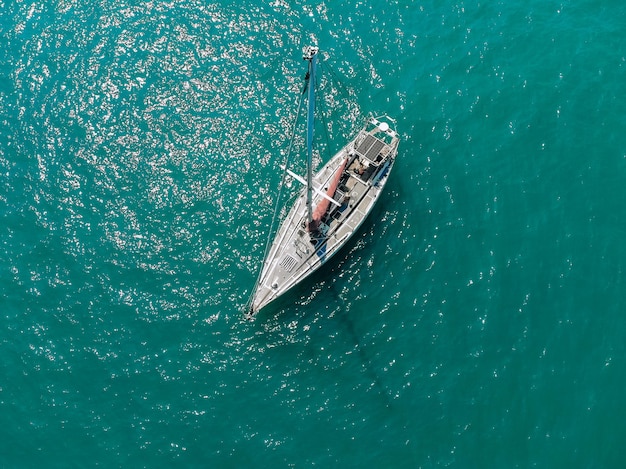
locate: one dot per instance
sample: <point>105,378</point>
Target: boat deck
<point>296,252</point>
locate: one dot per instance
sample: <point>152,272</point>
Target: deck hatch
<point>288,263</point>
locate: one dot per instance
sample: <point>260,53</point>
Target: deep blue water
<point>476,320</point>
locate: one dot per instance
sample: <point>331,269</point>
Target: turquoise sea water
<point>476,320</point>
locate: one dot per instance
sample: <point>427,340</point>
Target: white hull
<point>295,252</point>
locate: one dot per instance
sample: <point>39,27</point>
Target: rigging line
<point>325,124</point>
<point>345,93</point>
<point>280,192</point>
<point>331,71</point>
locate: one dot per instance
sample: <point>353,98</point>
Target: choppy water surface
<point>474,321</point>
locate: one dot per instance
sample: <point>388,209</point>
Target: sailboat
<point>332,204</point>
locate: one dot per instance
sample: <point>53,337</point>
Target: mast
<point>310,54</point>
